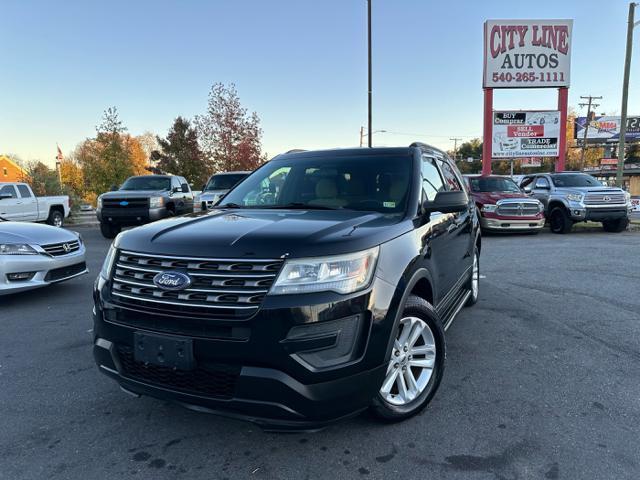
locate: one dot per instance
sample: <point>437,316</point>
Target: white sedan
<point>33,256</point>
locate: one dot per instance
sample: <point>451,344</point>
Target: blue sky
<point>300,64</point>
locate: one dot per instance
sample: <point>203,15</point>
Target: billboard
<point>527,53</point>
<point>607,128</point>
<point>519,134</point>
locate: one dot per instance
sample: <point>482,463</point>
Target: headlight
<point>99,203</point>
<point>108,263</point>
<point>575,197</point>
<point>16,249</point>
<point>489,208</point>
<point>338,273</point>
<point>156,202</point>
<point>627,197</point>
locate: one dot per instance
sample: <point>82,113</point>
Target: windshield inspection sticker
<point>389,204</point>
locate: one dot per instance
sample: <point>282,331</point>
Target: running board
<point>464,296</point>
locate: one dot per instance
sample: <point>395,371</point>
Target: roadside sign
<point>519,134</point>
<point>527,53</point>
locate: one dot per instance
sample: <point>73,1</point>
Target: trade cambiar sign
<point>527,53</point>
<point>519,134</point>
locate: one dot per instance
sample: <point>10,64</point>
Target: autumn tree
<point>180,154</point>
<point>229,136</point>
<point>72,176</point>
<point>43,180</point>
<point>138,158</point>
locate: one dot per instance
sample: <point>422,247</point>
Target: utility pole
<point>370,139</point>
<point>625,93</point>
<point>455,147</point>
<point>361,135</point>
<point>589,105</point>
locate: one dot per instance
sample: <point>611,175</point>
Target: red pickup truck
<point>502,206</point>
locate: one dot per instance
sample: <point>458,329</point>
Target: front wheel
<point>416,365</point>
<point>616,226</point>
<point>559,221</point>
<point>108,230</point>
<point>474,280</point>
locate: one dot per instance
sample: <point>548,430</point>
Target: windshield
<point>371,183</point>
<point>224,182</point>
<point>575,180</point>
<point>147,183</point>
<point>493,184</point>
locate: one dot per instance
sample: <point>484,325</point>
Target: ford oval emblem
<point>124,203</point>
<point>172,280</point>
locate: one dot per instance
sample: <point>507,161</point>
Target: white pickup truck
<point>19,204</point>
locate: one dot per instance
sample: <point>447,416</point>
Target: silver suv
<point>572,197</point>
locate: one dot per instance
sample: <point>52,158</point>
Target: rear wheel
<point>618,225</point>
<point>56,218</point>
<point>109,231</point>
<point>416,365</point>
<point>559,221</point>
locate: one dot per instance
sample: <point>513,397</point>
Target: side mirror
<point>203,188</point>
<point>176,190</point>
<point>5,195</point>
<point>447,202</point>
<point>527,190</point>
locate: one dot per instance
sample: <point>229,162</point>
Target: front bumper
<point>267,369</point>
<point>132,216</point>
<point>581,213</point>
<point>510,224</point>
<point>46,270</point>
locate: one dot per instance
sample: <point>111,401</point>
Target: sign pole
<point>487,131</point>
<point>563,102</point>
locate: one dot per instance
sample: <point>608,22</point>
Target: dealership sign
<point>607,128</point>
<point>518,134</point>
<point>527,53</point>
<point>530,162</point>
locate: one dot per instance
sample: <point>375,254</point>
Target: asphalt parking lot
<point>542,381</point>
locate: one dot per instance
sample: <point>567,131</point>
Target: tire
<point>475,272</point>
<point>109,231</point>
<point>56,218</point>
<point>616,226</point>
<point>559,221</point>
<point>393,408</point>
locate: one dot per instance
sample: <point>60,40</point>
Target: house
<point>10,171</point>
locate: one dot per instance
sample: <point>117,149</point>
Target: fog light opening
<point>20,276</point>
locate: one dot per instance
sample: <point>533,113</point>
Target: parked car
<point>143,199</point>
<point>502,206</point>
<point>33,256</point>
<point>19,204</point>
<point>572,197</point>
<point>321,286</point>
<point>217,186</point>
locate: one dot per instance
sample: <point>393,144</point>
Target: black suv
<point>320,287</point>
<point>143,199</point>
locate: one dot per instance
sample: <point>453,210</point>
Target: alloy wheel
<point>412,362</point>
<point>475,279</point>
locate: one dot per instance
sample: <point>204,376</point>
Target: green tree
<point>180,154</point>
<point>229,136</point>
<point>43,180</point>
<point>471,149</point>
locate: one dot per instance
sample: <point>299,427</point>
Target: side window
<point>24,191</point>
<point>175,183</point>
<point>431,180</point>
<point>542,182</point>
<point>8,189</point>
<point>269,190</point>
<point>451,179</point>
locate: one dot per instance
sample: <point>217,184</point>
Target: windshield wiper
<point>2,219</point>
<point>299,206</point>
<point>229,205</point>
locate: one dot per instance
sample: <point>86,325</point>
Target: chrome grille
<point>64,248</point>
<point>234,287</point>
<point>518,209</point>
<point>604,198</point>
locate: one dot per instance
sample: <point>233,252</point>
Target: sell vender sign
<point>527,53</point>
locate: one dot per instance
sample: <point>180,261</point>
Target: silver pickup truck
<point>572,197</point>
<point>18,203</point>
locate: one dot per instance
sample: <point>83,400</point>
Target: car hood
<point>33,233</point>
<point>133,193</point>
<point>246,233</point>
<point>489,198</point>
<point>583,190</point>
<point>213,193</point>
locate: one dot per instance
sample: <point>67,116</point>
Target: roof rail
<point>295,150</point>
<point>429,149</point>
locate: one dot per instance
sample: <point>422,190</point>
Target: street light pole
<point>370,140</point>
<point>625,94</point>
